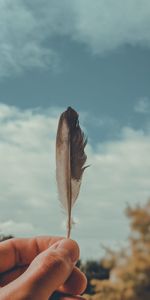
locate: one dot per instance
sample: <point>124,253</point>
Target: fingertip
<point>69,248</point>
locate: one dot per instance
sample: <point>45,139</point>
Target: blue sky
<point>95,57</point>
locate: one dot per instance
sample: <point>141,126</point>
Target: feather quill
<point>70,160</point>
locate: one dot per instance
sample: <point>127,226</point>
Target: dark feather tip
<point>72,117</point>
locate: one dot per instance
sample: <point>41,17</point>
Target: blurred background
<point>95,57</point>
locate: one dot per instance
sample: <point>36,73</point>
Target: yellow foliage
<point>130,273</point>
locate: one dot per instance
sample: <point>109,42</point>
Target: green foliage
<point>93,269</point>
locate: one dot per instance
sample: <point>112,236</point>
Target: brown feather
<point>70,160</point>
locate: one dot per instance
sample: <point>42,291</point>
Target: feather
<point>70,160</point>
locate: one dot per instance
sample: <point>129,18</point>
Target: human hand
<point>34,268</point>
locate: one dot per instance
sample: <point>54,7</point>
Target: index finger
<point>20,252</point>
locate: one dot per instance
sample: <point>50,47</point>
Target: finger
<point>75,284</point>
<point>9,276</point>
<point>47,272</point>
<point>20,252</point>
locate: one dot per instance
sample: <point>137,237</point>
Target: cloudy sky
<point>95,57</point>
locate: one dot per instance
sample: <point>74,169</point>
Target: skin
<point>35,268</point>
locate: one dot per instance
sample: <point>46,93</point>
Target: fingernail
<point>71,248</point>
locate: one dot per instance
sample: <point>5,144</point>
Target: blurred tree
<point>94,270</point>
<point>130,268</point>
<point>5,237</point>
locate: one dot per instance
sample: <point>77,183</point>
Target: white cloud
<point>28,29</point>
<point>106,25</point>
<point>22,39</point>
<point>143,105</point>
<point>16,228</point>
<point>119,174</point>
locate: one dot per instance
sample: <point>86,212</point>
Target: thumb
<point>50,269</point>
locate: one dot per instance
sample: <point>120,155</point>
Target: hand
<point>32,269</point>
